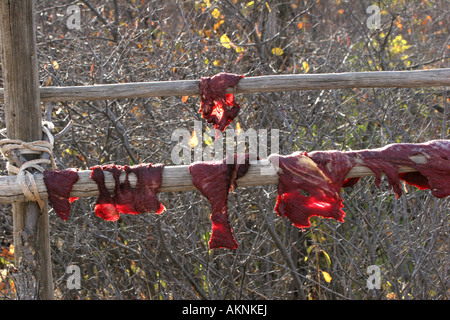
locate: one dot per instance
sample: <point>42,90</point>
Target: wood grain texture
<point>271,83</point>
<point>23,121</point>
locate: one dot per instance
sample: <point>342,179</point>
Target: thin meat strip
<point>105,206</point>
<point>434,174</point>
<point>218,107</point>
<point>59,185</point>
<point>214,180</point>
<point>310,185</point>
<point>126,200</point>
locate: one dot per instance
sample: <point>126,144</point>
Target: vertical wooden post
<point>23,121</point>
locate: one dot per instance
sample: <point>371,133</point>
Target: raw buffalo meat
<point>214,179</point>
<point>433,175</point>
<point>59,184</point>
<point>105,207</point>
<point>126,200</point>
<point>218,107</point>
<point>320,176</point>
<point>309,184</point>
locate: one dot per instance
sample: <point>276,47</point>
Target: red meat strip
<point>126,200</point>
<point>218,107</point>
<point>105,207</point>
<point>59,184</point>
<point>123,194</point>
<point>433,175</point>
<point>214,179</point>
<point>149,179</point>
<point>320,176</point>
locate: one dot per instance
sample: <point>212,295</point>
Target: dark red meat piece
<point>126,200</point>
<point>320,176</point>
<point>433,175</point>
<point>123,194</point>
<point>59,184</point>
<point>214,179</point>
<point>105,207</point>
<point>149,179</point>
<point>218,107</point>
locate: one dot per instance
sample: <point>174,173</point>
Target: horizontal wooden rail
<point>175,178</point>
<point>270,83</point>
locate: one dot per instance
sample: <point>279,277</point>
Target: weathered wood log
<point>270,83</point>
<point>23,122</point>
<point>175,178</point>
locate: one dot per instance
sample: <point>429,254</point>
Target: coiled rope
<point>13,150</point>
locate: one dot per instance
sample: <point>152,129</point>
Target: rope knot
<point>14,151</point>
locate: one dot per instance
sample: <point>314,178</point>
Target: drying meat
<point>434,174</point>
<point>123,194</point>
<point>59,184</point>
<point>320,176</point>
<point>105,207</point>
<point>149,179</point>
<point>218,107</point>
<point>126,200</point>
<point>214,179</point>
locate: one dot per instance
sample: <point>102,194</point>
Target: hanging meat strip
<point>59,184</point>
<point>149,179</point>
<point>309,184</point>
<point>214,179</point>
<point>126,200</point>
<point>434,174</point>
<point>105,207</point>
<point>218,107</point>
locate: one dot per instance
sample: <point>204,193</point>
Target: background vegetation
<point>166,257</point>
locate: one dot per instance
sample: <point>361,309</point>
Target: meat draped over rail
<point>59,184</point>
<point>214,180</point>
<point>125,200</point>
<point>434,174</point>
<point>310,184</point>
<point>218,107</point>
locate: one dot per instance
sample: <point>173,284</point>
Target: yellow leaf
<point>277,51</point>
<point>305,66</point>
<point>327,257</point>
<point>239,49</point>
<point>207,138</point>
<point>225,41</point>
<point>48,81</point>
<point>184,98</point>
<point>218,24</point>
<point>55,64</point>
<point>194,139</point>
<point>216,13</point>
<point>238,128</point>
<point>326,276</point>
<point>268,7</point>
